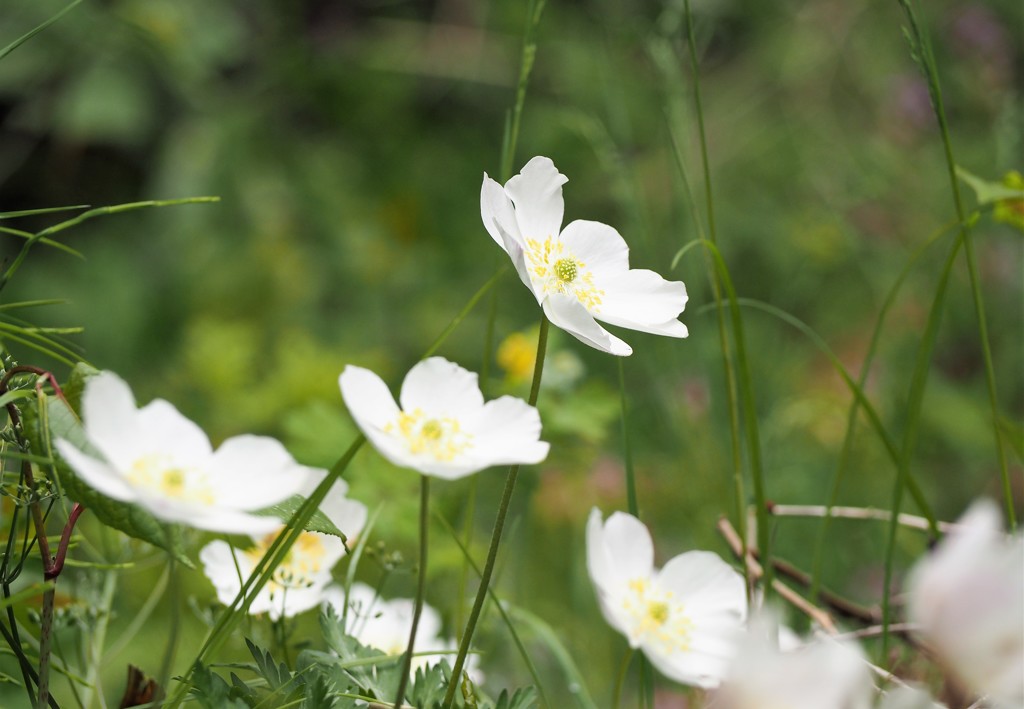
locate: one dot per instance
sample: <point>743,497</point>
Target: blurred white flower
<point>385,625</point>
<point>578,273</point>
<point>443,427</point>
<point>968,599</point>
<point>687,618</point>
<point>299,583</point>
<point>821,674</point>
<point>159,460</point>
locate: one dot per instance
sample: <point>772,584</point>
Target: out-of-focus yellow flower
<point>517,355</point>
<point>1011,211</point>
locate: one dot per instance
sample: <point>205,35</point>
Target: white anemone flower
<point>968,599</point>
<point>443,427</point>
<point>385,625</point>
<point>820,674</point>
<point>578,273</point>
<point>299,583</point>
<point>159,460</point>
<point>687,618</point>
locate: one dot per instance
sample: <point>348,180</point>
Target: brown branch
<point>755,571</point>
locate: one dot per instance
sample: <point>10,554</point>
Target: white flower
<point>385,625</point>
<point>299,583</point>
<point>578,273</point>
<point>159,460</point>
<point>822,674</point>
<point>443,427</point>
<point>687,618</point>
<point>968,598</point>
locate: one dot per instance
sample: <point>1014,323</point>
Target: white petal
<point>110,417</point>
<point>496,211</point>
<point>706,584</point>
<point>567,313</point>
<point>219,519</point>
<point>441,388</point>
<point>642,300</point>
<point>163,429</point>
<point>252,472</point>
<point>347,515</point>
<point>537,194</point>
<point>449,470</point>
<point>367,397</point>
<point>220,568</point>
<point>600,247</point>
<point>629,547</point>
<point>508,432</point>
<point>692,668</point>
<point>518,256</point>
<point>290,601</point>
<point>96,474</point>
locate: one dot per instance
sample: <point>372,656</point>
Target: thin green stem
<point>851,417</point>
<point>728,367</point>
<point>421,586</point>
<point>915,398</point>
<point>695,66</point>
<point>631,499</point>
<point>174,601</point>
<point>869,410</point>
<point>457,320</point>
<point>921,48</point>
<point>620,678</point>
<point>529,54</point>
<point>499,526</point>
<point>496,602</point>
<point>91,214</point>
<point>632,503</point>
<point>97,638</point>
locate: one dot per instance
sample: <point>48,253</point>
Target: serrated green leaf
<point>317,523</point>
<point>211,691</point>
<point>986,191</point>
<point>125,517</point>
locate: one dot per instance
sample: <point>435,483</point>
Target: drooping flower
<point>578,273</point>
<point>687,618</point>
<point>299,582</point>
<point>159,460</point>
<point>820,674</point>
<point>968,599</point>
<point>385,625</point>
<point>443,427</point>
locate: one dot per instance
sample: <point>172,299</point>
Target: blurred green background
<point>347,141</point>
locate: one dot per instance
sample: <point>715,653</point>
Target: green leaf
<point>128,518</point>
<point>985,191</point>
<point>211,691</point>
<point>317,523</point>
<point>31,33</point>
<point>377,676</point>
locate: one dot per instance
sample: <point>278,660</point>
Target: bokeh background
<point>347,141</point>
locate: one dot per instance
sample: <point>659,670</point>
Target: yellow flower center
<point>656,616</point>
<point>566,270</point>
<point>161,475</point>
<point>439,438</point>
<point>300,567</point>
<point>554,270</point>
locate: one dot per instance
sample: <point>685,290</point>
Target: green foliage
<point>349,676</point>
